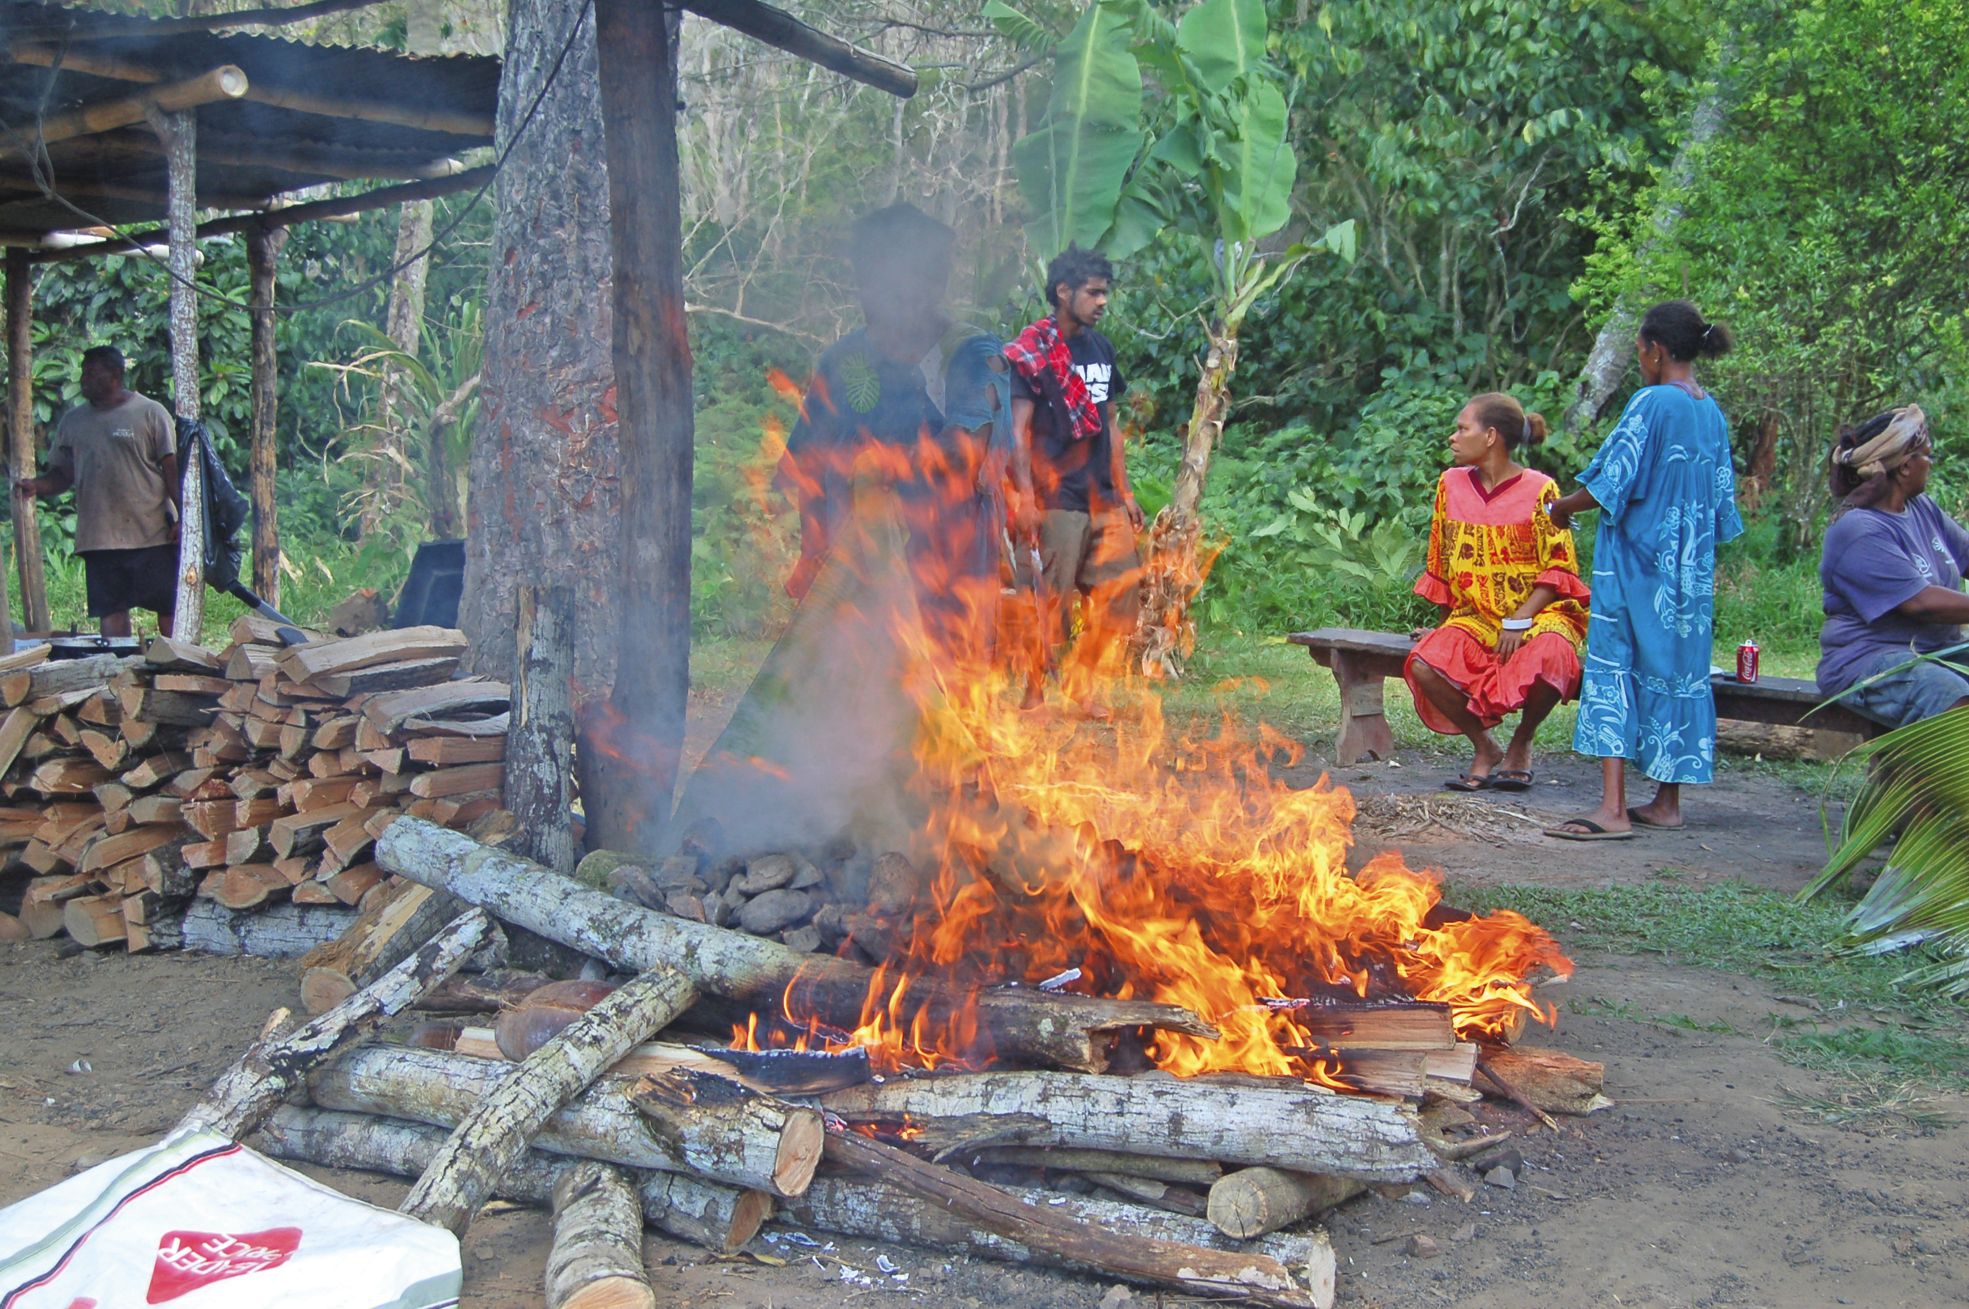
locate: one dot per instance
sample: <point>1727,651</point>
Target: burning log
<point>1253,1201</point>
<point>1287,1125</point>
<point>597,1259</point>
<point>270,1068</point>
<point>600,1123</point>
<point>1065,1030</point>
<point>712,1120</point>
<point>1225,1275</point>
<point>719,1218</point>
<point>495,1134</point>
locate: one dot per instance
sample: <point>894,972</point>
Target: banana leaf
<point>1072,168</point>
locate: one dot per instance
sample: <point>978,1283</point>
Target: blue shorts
<point>1926,689</point>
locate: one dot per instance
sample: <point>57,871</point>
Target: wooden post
<point>262,250</point>
<point>540,741</point>
<point>179,132</point>
<point>627,790</point>
<point>20,437</point>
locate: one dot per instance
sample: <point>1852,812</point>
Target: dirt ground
<point>1700,1188</point>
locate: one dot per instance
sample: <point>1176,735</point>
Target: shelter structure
<point>109,120</point>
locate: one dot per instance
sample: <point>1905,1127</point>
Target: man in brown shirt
<point>118,452</point>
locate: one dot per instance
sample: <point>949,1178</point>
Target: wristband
<point>1516,624</point>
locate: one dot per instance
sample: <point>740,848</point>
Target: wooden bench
<point>1363,661</point>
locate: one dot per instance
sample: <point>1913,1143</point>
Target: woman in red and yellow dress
<point>1514,607</point>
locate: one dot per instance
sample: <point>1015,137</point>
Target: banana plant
<point>1204,159</point>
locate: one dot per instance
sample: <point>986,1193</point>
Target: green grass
<point>1859,1022</point>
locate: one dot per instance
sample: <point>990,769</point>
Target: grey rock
<point>685,905</point>
<point>1501,1176</point>
<point>768,872</point>
<point>1421,1247</point>
<point>804,939</point>
<point>679,873</point>
<point>775,910</point>
<point>806,877</point>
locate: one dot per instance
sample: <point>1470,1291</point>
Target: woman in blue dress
<point>1666,493</point>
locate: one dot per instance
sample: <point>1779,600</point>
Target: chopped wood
<point>133,844</point>
<point>351,884</point>
<point>193,684</point>
<point>386,932</point>
<point>371,791</point>
<point>316,893</point>
<point>13,929</point>
<point>165,872</point>
<point>40,857</point>
<point>1025,1024</point>
<point>247,845</point>
<point>41,903</point>
<point>335,733</point>
<point>719,1122</point>
<point>61,676</point>
<point>719,1218</point>
<point>349,839</point>
<point>65,728</point>
<point>60,820</point>
<point>168,708</point>
<point>596,1261</point>
<point>306,662</point>
<point>246,886</point>
<point>442,751</point>
<point>388,677</point>
<point>258,629</point>
<point>444,782</point>
<point>1149,1191</point>
<point>205,854</point>
<point>1253,1201</point>
<point>261,734</point>
<point>14,731</point>
<point>173,771</point>
<point>456,811</point>
<point>113,796</point>
<point>247,663</point>
<point>291,833</point>
<point>147,810</point>
<point>107,749</point>
<point>310,793</point>
<point>390,760</point>
<point>431,1086</point>
<point>155,737</point>
<point>271,1068</point>
<point>250,782</point>
<point>283,931</point>
<point>166,653</point>
<point>1195,1270</point>
<point>260,809</point>
<point>498,1131</point>
<point>387,712</point>
<point>494,725</point>
<point>28,658</point>
<point>293,741</point>
<point>1546,1081</point>
<point>68,776</point>
<point>94,920</point>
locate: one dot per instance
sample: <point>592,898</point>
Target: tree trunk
<point>270,1068</point>
<point>626,789</point>
<point>600,1123</point>
<point>262,251</point>
<point>1287,1125</point>
<point>1025,1023</point>
<point>544,506</point>
<point>538,766</point>
<point>404,324</point>
<point>500,1127</point>
<point>1173,574</point>
<point>20,439</point>
<point>718,1218</point>
<point>1606,363</point>
<point>285,931</point>
<point>597,1259</point>
<point>179,132</point>
<point>875,1210</point>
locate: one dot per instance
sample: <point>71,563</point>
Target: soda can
<point>1747,662</point>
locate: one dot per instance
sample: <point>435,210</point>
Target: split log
<point>1253,1201</point>
<point>387,931</point>
<point>163,652</point>
<point>500,1127</point>
<point>94,920</point>
<point>1195,1270</point>
<point>597,1258</point>
<point>272,1067</point>
<point>305,662</point>
<point>718,1218</point>
<point>386,677</point>
<point>1546,1081</point>
<point>600,1123</point>
<point>62,676</point>
<point>387,712</point>
<point>1289,1125</point>
<point>1026,1024</point>
<point>282,932</point>
<point>14,731</point>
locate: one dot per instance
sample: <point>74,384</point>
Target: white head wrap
<point>1901,439</point>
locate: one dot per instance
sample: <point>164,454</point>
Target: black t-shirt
<point>1067,473</point>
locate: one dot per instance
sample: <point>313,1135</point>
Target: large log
<point>273,1066</point>
<point>1024,1024</point>
<point>499,1129</point>
<point>600,1123</point>
<point>1196,1270</point>
<point>719,1218</point>
<point>705,1114</point>
<point>855,1206</point>
<point>1253,1201</point>
<point>285,931</point>
<point>597,1258</point>
<point>1288,1125</point>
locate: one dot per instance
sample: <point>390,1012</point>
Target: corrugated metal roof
<point>442,107</point>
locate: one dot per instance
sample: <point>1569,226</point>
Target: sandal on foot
<point>1591,831</point>
<point>1511,779</point>
<point>1468,783</point>
<point>1635,816</point>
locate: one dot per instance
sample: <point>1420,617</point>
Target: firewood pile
<point>174,797</point>
<point>559,1092</point>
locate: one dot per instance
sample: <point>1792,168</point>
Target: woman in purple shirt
<point>1892,572</point>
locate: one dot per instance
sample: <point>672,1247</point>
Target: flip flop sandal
<point>1593,832</point>
<point>1634,816</point>
<point>1511,779</point>
<point>1468,783</point>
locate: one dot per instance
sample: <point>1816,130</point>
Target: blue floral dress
<point>1667,496</point>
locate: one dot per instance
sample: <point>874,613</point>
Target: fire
<point>1161,864</point>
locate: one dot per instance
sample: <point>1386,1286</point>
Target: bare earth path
<point>1704,1187</point>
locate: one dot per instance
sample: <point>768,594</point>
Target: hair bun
<point>1535,428</point>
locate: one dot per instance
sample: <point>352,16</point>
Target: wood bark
<point>21,454</point>
<point>1184,1172</point>
<point>536,783</point>
<point>704,1114</point>
<point>262,254</point>
<point>403,319</point>
<point>1546,1081</point>
<point>391,928</point>
<point>600,1123</point>
<point>272,1067</point>
<point>285,931</point>
<point>1195,1270</point>
<point>1026,1023</point>
<point>1253,1201</point>
<point>627,789</point>
<point>179,132</point>
<point>1288,1125</point>
<point>1173,573</point>
<point>719,1218</point>
<point>500,1128</point>
<point>597,1258</point>
<point>544,504</point>
<point>875,1210</point>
